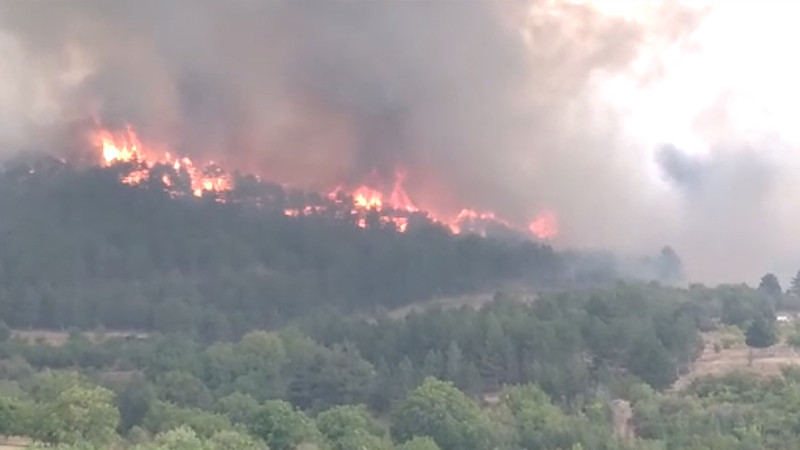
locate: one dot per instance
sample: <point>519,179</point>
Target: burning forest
<point>138,163</point>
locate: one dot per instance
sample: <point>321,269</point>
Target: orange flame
<point>366,198</point>
<point>122,147</point>
<point>394,208</point>
<point>126,146</point>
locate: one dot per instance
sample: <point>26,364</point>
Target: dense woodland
<point>511,375</point>
<point>270,332</point>
<point>80,249</point>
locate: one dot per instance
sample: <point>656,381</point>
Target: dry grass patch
<point>725,352</point>
<point>58,338</point>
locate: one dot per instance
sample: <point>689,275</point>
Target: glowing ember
<point>393,209</point>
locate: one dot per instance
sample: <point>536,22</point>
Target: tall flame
<point>125,147</point>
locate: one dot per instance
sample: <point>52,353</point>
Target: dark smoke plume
<point>320,92</point>
<point>491,105</point>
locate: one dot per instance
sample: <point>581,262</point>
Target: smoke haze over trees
<point>296,283</point>
<point>494,105</point>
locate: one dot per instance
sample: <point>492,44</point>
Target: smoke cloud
<point>490,105</point>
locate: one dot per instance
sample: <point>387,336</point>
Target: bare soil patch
<point>717,360</point>
<point>58,338</point>
<point>14,443</point>
<point>474,301</point>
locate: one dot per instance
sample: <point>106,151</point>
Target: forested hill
<point>79,248</point>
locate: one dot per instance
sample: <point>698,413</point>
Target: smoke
<point>490,105</point>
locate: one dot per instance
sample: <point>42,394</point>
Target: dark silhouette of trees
<point>770,286</point>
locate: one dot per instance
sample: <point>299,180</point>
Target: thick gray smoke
<point>320,92</point>
<point>491,105</point>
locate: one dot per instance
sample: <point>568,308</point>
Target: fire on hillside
<point>139,163</point>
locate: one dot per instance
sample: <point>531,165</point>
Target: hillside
<point>82,249</point>
<point>79,248</point>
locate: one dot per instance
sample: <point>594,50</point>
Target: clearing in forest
<point>725,351</point>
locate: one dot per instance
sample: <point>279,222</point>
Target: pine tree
<point>454,364</point>
<point>762,332</point>
<point>794,287</point>
<point>770,286</point>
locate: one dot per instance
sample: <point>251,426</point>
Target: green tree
<point>163,416</point>
<point>439,410</point>
<point>14,416</point>
<point>351,426</point>
<point>762,332</point>
<point>419,443</point>
<point>234,440</point>
<point>282,427</point>
<point>454,364</point>
<point>240,408</point>
<point>184,389</point>
<point>79,413</point>
<point>133,402</point>
<point>181,438</point>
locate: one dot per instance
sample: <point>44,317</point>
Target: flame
<point>364,197</point>
<point>122,147</point>
<point>392,209</point>
<point>544,226</point>
<point>126,147</point>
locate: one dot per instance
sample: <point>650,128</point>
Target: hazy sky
<point>638,123</point>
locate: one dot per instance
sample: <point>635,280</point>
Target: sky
<point>727,108</point>
<point>638,123</point>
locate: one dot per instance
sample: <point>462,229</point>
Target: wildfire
<point>363,203</point>
<point>125,147</point>
<point>121,147</point>
<point>545,226</point>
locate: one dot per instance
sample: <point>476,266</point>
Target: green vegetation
<point>267,332</point>
<point>80,249</point>
<point>510,375</point>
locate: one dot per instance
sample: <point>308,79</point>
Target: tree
<point>133,403</point>
<point>13,416</point>
<point>5,332</point>
<point>181,438</point>
<point>669,265</point>
<point>454,364</point>
<point>339,421</point>
<point>162,417</point>
<point>79,413</point>
<point>419,443</point>
<point>234,440</point>
<point>794,287</point>
<point>185,438</point>
<point>771,287</point>
<point>651,361</point>
<point>439,410</point>
<point>351,427</point>
<point>240,408</point>
<point>762,332</point>
<point>184,389</point>
<point>282,427</point>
